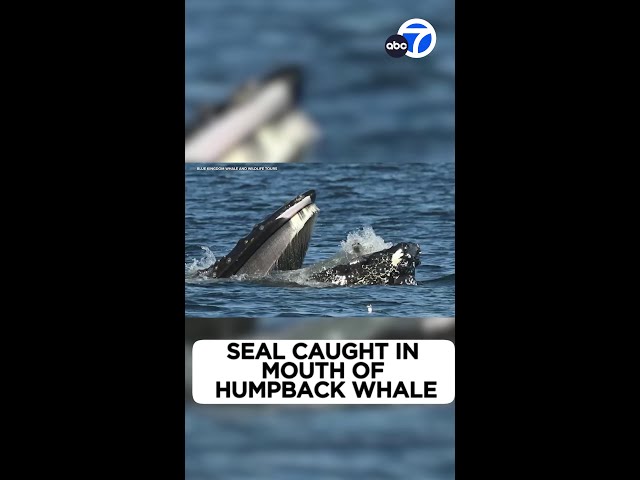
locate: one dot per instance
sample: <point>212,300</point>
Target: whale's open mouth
<point>279,242</point>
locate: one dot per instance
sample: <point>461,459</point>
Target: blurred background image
<point>357,103</point>
<point>318,441</point>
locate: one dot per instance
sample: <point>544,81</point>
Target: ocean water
<point>320,443</point>
<point>314,441</point>
<point>377,205</point>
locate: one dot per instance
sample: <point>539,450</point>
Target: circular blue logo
<point>420,36</point>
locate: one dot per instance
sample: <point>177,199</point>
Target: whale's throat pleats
<point>286,248</point>
<point>293,256</point>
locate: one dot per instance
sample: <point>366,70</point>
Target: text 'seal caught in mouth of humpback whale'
<point>280,242</point>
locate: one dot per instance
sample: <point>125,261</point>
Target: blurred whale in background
<point>260,122</point>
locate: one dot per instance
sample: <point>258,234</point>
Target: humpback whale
<point>393,266</point>
<point>260,122</point>
<point>279,242</point>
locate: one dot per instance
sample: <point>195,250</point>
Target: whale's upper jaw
<point>398,262</point>
<point>294,206</point>
<point>278,242</point>
<point>410,255</point>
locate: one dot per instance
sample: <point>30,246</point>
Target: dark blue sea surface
<point>355,442</point>
<point>377,205</point>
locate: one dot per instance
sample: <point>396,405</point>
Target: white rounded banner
<point>323,371</point>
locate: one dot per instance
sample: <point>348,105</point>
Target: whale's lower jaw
<point>286,248</point>
<point>352,278</point>
<point>393,266</point>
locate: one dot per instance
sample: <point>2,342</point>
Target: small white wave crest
<point>200,263</point>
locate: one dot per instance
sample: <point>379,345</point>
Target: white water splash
<point>200,263</point>
<point>358,243</point>
<point>363,242</point>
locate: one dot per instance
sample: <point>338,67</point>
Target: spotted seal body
<point>393,266</point>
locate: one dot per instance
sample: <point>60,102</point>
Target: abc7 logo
<point>420,39</point>
<point>396,46</point>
